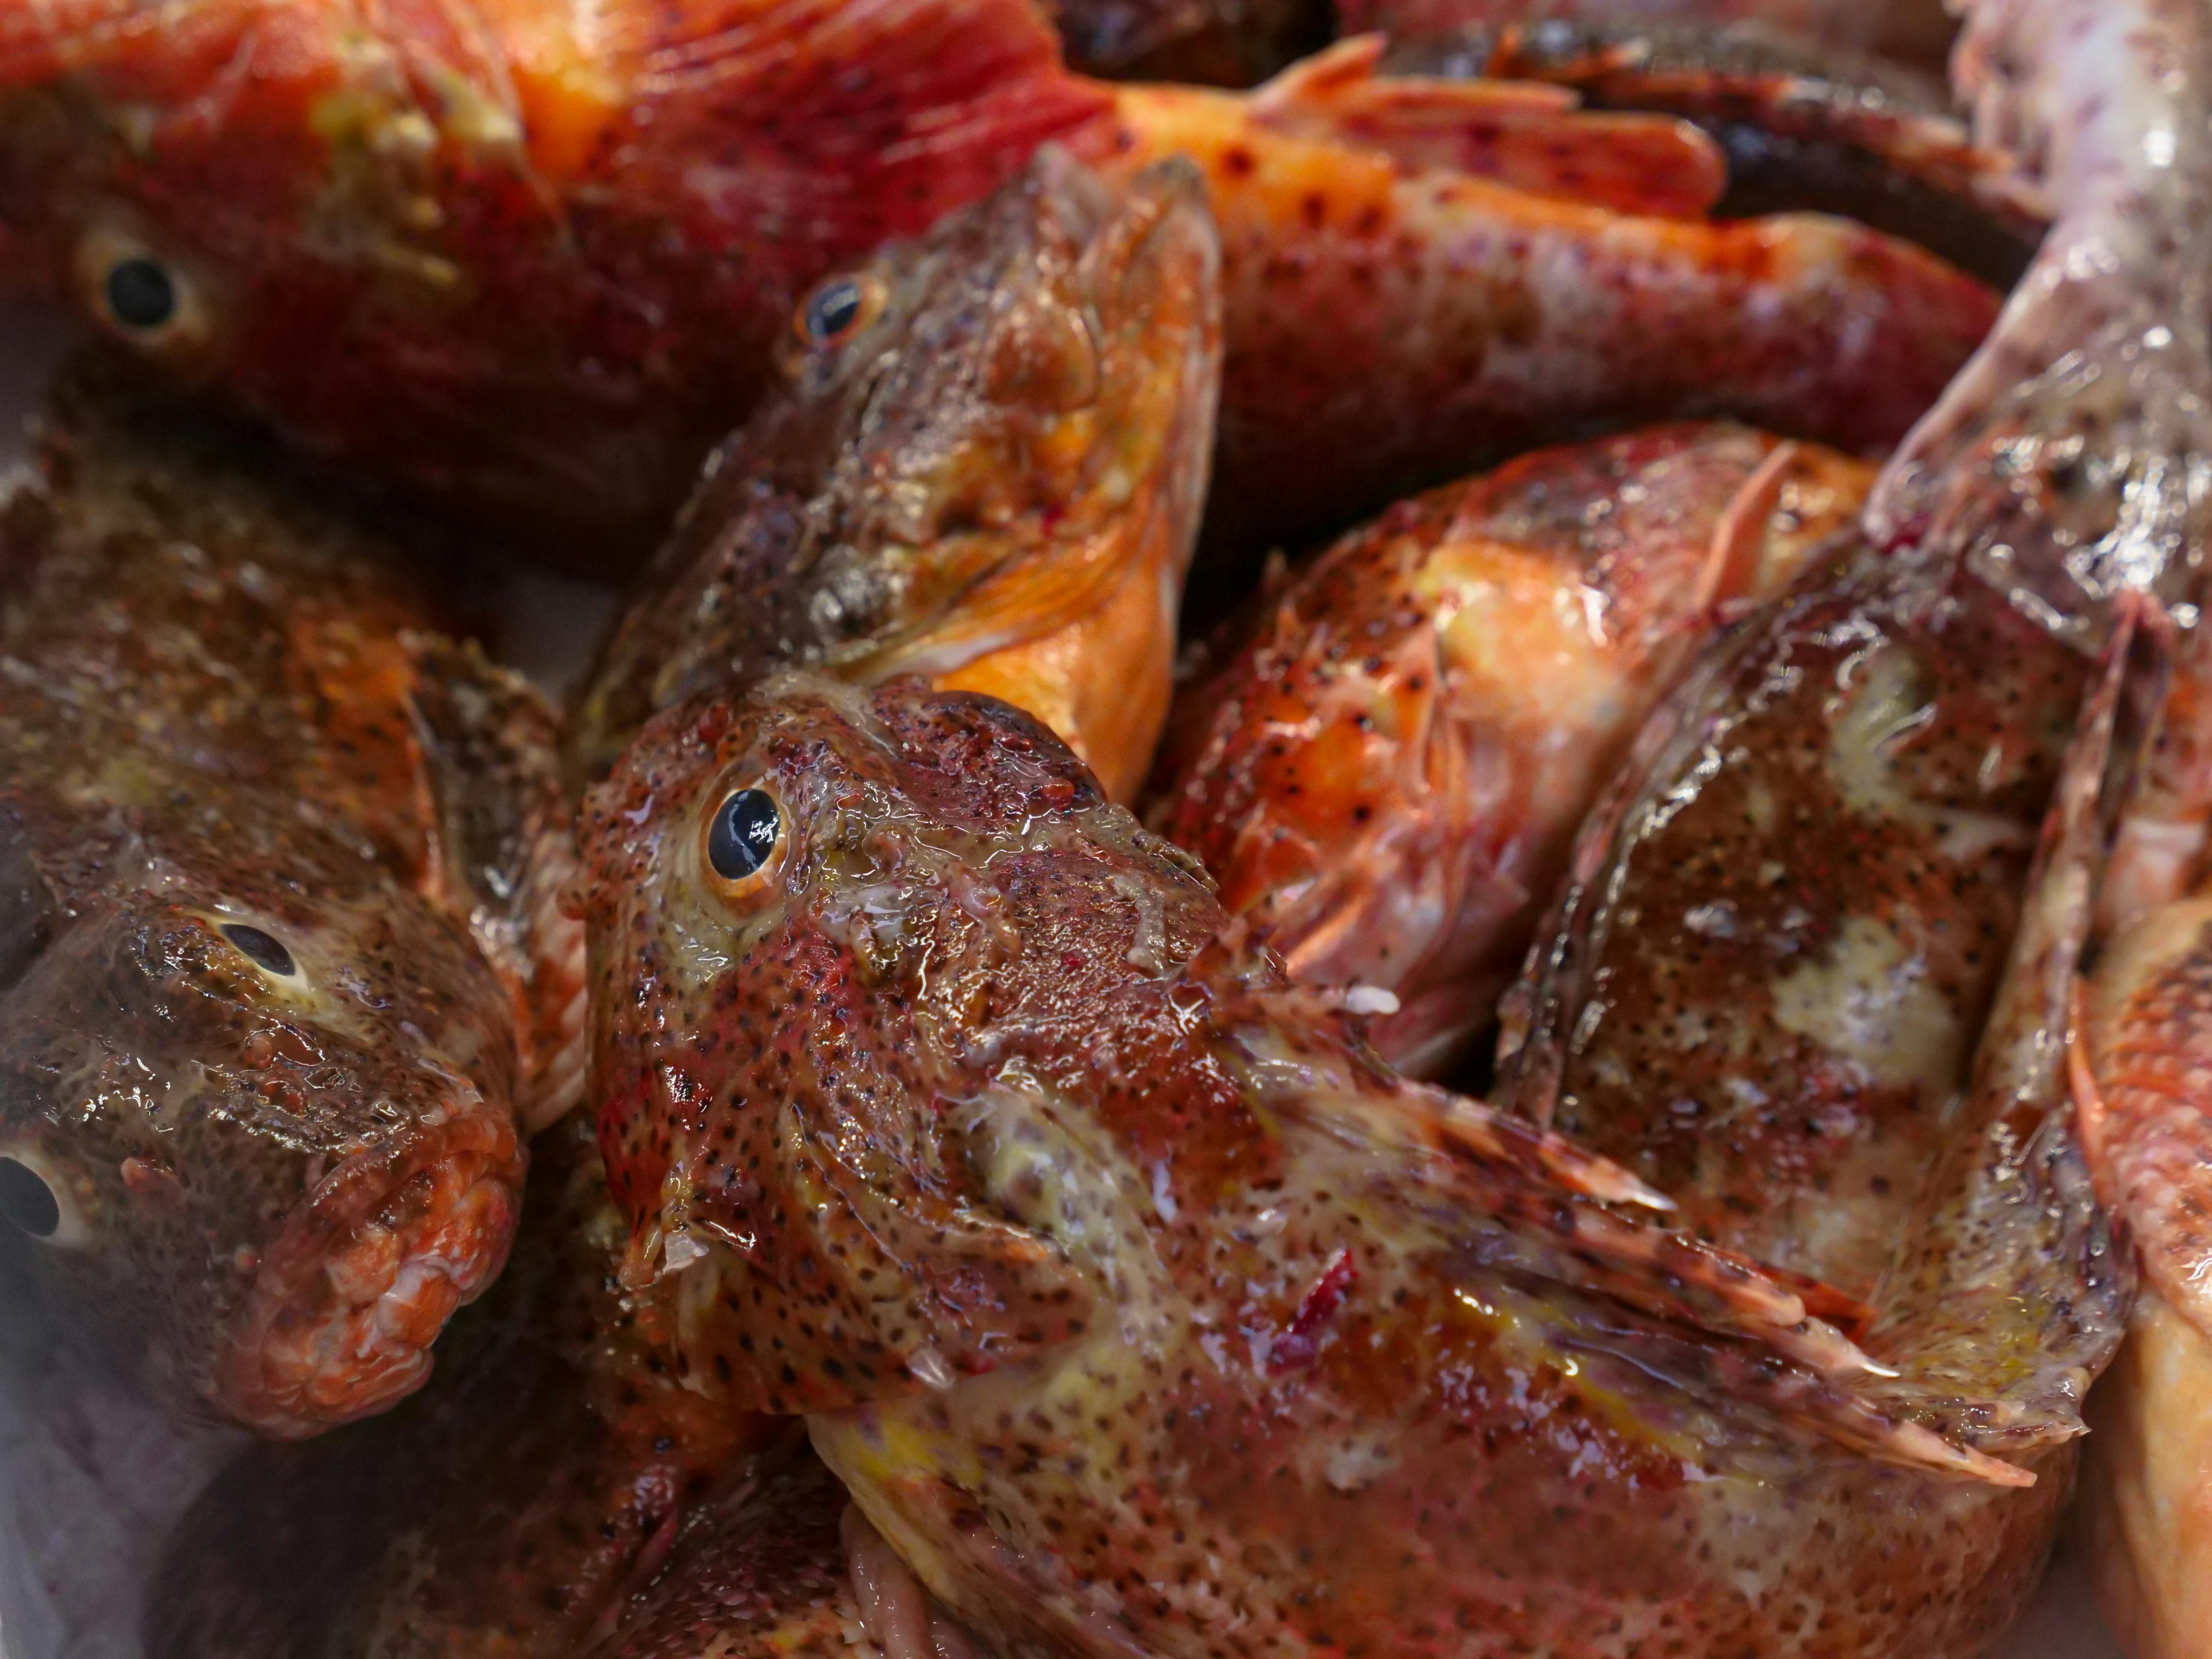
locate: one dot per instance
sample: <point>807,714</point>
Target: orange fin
<point>1532,137</point>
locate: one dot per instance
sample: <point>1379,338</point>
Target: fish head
<point>820,919</point>
<point>245,1123</point>
<point>813,835</point>
<point>981,440</point>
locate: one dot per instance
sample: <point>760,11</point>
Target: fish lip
<point>302,1354</point>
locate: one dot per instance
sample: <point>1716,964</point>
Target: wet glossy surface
<point>279,962</point>
<point>1386,765</point>
<point>969,1132</point>
<point>984,463</point>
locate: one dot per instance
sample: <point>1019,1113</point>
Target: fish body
<point>1386,769</point>
<point>540,267</point>
<point>989,473</point>
<point>508,1510</point>
<point>1121,1285</point>
<point>283,977</point>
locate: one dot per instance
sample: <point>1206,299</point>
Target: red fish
<point>537,258</point>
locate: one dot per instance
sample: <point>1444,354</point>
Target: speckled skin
<point>504,1512</point>
<point>1141,1310</point>
<point>995,479</point>
<point>1387,768</point>
<point>1782,940</point>
<point>536,255</point>
<point>218,706</point>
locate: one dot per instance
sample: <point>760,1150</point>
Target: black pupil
<point>26,1203</point>
<point>743,834</point>
<point>261,949</point>
<point>141,295</point>
<point>833,311</point>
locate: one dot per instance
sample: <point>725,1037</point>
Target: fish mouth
<point>346,1303</point>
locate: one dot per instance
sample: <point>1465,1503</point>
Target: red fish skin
<point>537,267</point>
<point>467,247</point>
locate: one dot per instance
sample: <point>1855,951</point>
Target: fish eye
<point>838,309</point>
<point>263,949</point>
<point>141,294</point>
<point>26,1203</point>
<point>744,841</point>
<point>137,295</point>
<point>35,1202</point>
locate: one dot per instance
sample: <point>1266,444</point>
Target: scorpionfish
<point>1121,1284</point>
<point>985,464</point>
<point>505,1511</point>
<point>284,975</point>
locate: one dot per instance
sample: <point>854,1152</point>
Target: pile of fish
<point>1402,845</point>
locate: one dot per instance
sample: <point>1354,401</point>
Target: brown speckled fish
<point>985,464</point>
<point>1387,768</point>
<point>505,1512</point>
<point>282,980</point>
<point>1122,1287</point>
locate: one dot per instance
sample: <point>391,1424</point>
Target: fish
<point>1384,767</point>
<point>513,1507</point>
<point>2067,461</point>
<point>1119,1281</point>
<point>285,976</point>
<point>536,270</point>
<point>985,464</point>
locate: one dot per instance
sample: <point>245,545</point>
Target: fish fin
<point>1532,137</point>
<point>1731,569</point>
<point>1536,1207</point>
<point>756,110</point>
<point>2013,1255</point>
<point>488,748</point>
